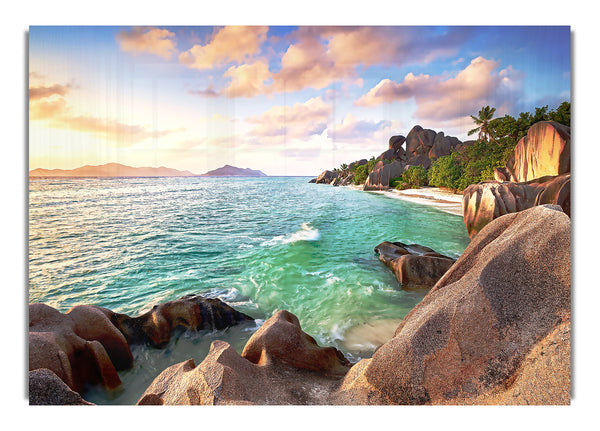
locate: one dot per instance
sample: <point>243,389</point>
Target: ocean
<point>259,244</point>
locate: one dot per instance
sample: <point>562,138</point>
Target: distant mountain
<point>232,171</point>
<point>110,170</point>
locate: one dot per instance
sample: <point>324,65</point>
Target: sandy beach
<point>442,199</point>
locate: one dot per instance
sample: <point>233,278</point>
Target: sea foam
<point>306,233</point>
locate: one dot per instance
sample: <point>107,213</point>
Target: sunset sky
<point>285,100</point>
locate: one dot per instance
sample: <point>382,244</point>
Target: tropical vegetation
<point>497,140</point>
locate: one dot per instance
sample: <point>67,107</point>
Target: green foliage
<point>446,172</point>
<point>415,177</point>
<point>395,181</point>
<point>360,175</point>
<point>477,162</point>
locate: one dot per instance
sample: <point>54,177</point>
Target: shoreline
<point>443,200</point>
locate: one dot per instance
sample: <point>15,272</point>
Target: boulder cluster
<point>89,344</point>
<point>538,173</point>
<point>420,147</point>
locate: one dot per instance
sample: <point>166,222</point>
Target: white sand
<point>444,200</point>
<point>370,335</point>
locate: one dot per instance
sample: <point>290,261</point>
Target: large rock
<point>46,389</point>
<point>280,340</point>
<point>545,151</point>
<point>279,365</point>
<point>77,356</point>
<point>420,159</point>
<point>326,177</point>
<point>494,329</point>
<point>195,312</point>
<point>379,178</point>
<point>415,266</point>
<point>442,146</point>
<point>419,141</point>
<point>485,201</point>
<point>396,142</point>
<point>393,154</point>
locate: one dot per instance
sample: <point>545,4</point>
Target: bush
<point>360,175</point>
<point>395,181</point>
<point>415,177</point>
<point>402,186</point>
<point>447,172</point>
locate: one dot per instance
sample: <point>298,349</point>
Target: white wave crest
<point>306,233</point>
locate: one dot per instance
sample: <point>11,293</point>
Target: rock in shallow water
<point>195,312</point>
<point>88,344</point>
<point>415,266</point>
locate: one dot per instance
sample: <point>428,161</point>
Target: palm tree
<point>482,121</point>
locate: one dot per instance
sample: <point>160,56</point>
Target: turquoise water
<point>259,244</point>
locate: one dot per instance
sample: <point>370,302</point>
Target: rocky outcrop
<point>495,329</point>
<point>47,389</point>
<point>279,365</point>
<point>195,312</point>
<point>326,177</point>
<point>415,266</point>
<point>58,342</point>
<point>396,142</point>
<point>419,141</point>
<point>88,344</point>
<point>488,200</point>
<point>420,147</point>
<point>280,340</point>
<point>545,151</point>
<point>442,146</point>
<point>379,178</point>
<point>419,159</point>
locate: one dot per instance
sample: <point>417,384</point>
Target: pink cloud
<point>440,99</point>
<point>154,41</point>
<point>229,44</point>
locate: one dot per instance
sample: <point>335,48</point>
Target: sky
<point>284,100</point>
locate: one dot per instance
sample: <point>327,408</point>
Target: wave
<point>306,233</point>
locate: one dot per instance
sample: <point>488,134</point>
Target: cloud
<point>44,92</point>
<point>207,92</point>
<point>320,56</point>
<point>247,80</point>
<point>316,56</point>
<point>300,121</point>
<point>440,98</point>
<point>48,103</point>
<point>229,44</point>
<point>307,63</point>
<point>154,41</point>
